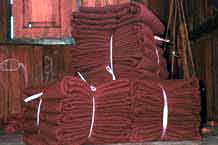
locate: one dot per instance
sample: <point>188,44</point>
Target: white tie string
<point>93,113</point>
<point>158,56</point>
<point>165,112</point>
<point>38,111</point>
<point>110,68</point>
<point>161,39</point>
<point>81,76</point>
<point>93,88</point>
<point>111,72</point>
<point>33,97</point>
<point>111,53</point>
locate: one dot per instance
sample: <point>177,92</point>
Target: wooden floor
<point>211,140</point>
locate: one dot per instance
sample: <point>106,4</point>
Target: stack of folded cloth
<point>75,114</point>
<point>116,112</point>
<point>113,109</point>
<point>65,115</point>
<point>122,95</point>
<point>182,120</point>
<point>116,16</point>
<point>132,53</point>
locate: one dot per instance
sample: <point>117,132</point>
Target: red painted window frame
<point>60,28</point>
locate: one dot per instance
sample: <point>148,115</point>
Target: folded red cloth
<point>84,60</point>
<point>115,15</point>
<point>29,126</point>
<point>100,75</point>
<point>75,133</point>
<point>126,111</point>
<point>111,125</point>
<point>34,140</point>
<point>63,106</point>
<point>183,110</point>
<point>53,141</point>
<point>56,91</point>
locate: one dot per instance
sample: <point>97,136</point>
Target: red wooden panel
<point>42,18</point>
<point>56,62</point>
<point>3,19</point>
<point>3,92</point>
<point>42,14</point>
<point>20,66</point>
<point>95,3</point>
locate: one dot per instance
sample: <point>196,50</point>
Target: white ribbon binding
<point>110,68</point>
<point>158,56</point>
<point>161,39</point>
<point>33,97</point>
<point>111,72</point>
<point>165,112</point>
<point>93,88</point>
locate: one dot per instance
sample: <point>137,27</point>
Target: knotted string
<point>93,89</point>
<point>110,68</point>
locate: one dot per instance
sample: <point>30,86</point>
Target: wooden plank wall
<point>159,7</point>
<point>20,67</point>
<point>14,59</point>
<point>56,62</point>
<point>4,14</point>
<point>204,51</point>
<point>215,75</point>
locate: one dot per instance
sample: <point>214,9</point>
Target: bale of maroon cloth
<point>121,95</point>
<point>116,112</point>
<point>130,47</point>
<point>182,116</point>
<point>115,16</point>
<point>72,119</point>
<point>65,115</point>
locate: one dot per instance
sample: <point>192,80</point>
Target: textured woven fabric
<point>125,111</point>
<point>112,17</point>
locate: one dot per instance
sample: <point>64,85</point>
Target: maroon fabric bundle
<point>72,127</point>
<point>125,111</point>
<point>113,108</point>
<point>100,75</point>
<point>112,17</point>
<point>98,110</point>
<point>183,110</point>
<point>60,121</point>
<point>34,140</point>
<point>133,44</point>
<point>135,56</point>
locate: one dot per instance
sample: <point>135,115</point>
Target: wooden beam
<point>207,27</point>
